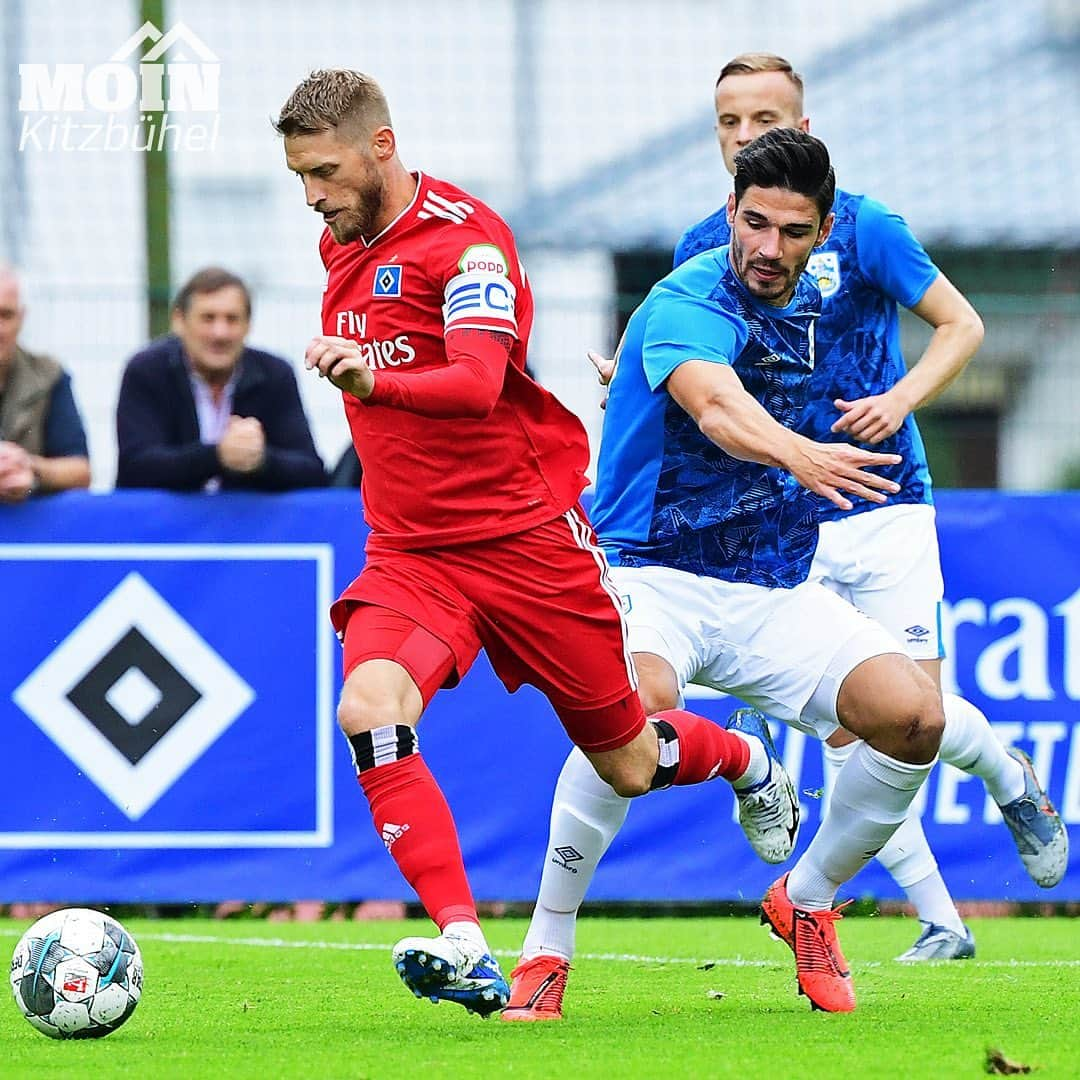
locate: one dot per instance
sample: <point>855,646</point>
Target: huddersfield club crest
<point>824,267</point>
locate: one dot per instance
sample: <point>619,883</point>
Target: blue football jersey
<point>870,263</point>
<point>665,494</point>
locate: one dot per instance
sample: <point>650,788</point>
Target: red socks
<point>704,749</point>
<point>413,819</point>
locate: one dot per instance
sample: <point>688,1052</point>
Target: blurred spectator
<point>42,440</point>
<point>198,409</point>
<point>347,472</point>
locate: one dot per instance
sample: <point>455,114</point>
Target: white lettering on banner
<point>1069,610</point>
<point>947,811</point>
<point>1070,803</point>
<point>949,808</point>
<point>1029,642</point>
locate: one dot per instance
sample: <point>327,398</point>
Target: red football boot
<point>536,989</point>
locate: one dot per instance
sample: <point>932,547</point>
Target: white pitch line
<point>632,958</point>
<point>625,958</point>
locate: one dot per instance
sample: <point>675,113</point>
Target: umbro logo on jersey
<point>437,206</point>
<point>392,833</point>
<point>772,358</point>
<point>387,281</point>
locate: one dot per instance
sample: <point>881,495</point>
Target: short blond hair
<point>334,98</point>
<point>754,63</point>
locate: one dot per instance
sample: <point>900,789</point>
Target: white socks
<point>585,816</point>
<point>757,768</point>
<point>932,901</point>
<point>969,743</point>
<point>870,800</point>
<point>470,937</point>
<point>907,856</point>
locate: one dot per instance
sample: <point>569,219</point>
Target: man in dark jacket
<point>42,439</point>
<point>199,410</point>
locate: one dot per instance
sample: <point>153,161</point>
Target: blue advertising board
<point>169,677</point>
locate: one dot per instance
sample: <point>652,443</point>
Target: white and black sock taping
<point>668,764</point>
<point>382,745</point>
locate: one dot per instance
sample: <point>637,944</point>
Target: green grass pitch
<point>261,1000</point>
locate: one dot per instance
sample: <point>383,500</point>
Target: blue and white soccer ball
<point>77,974</point>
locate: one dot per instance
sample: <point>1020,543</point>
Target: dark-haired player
<point>711,543</point>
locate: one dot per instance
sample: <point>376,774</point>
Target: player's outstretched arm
<point>958,333</point>
<point>727,415</point>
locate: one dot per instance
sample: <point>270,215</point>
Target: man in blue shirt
<point>711,545</point>
<point>755,94</point>
<point>887,562</point>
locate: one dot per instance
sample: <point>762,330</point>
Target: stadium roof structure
<point>963,117</point>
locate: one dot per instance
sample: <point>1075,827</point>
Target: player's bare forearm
<point>947,354</point>
<point>728,416</point>
<point>338,359</point>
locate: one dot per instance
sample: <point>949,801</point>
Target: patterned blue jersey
<point>665,494</point>
<point>870,263</point>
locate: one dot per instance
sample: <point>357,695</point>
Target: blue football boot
<point>940,943</point>
<point>768,811</point>
<point>448,968</point>
<point>1037,828</point>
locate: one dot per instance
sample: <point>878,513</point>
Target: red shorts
<point>539,603</point>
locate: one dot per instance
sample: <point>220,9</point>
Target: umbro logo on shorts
<point>916,632</point>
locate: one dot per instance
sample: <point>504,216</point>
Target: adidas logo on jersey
<point>392,833</point>
<point>437,206</point>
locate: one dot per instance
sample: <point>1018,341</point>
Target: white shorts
<point>886,562</point>
<point>784,651</point>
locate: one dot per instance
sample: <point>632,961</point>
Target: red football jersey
<point>448,261</point>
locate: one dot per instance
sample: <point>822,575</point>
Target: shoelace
<point>767,803</point>
<point>817,953</point>
<point>544,964</point>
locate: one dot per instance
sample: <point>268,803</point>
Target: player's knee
<point>656,698</point>
<point>627,778</point>
<point>658,685</point>
<point>920,721</point>
<point>630,769</point>
<point>363,707</point>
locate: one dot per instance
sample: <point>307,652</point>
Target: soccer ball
<point>77,974</point>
